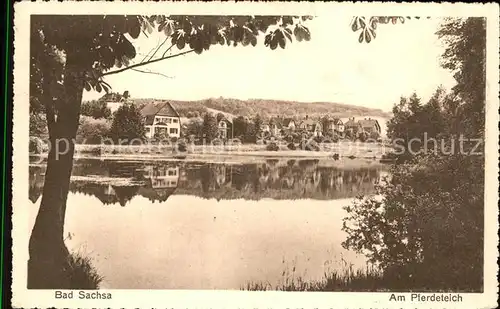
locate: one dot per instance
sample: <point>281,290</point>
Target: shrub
<point>92,131</point>
<point>82,274</point>
<point>319,139</point>
<point>374,135</point>
<point>362,136</point>
<point>174,139</point>
<point>291,146</point>
<point>182,147</point>
<point>217,142</point>
<point>272,147</point>
<point>309,146</point>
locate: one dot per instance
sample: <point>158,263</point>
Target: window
<point>176,120</point>
<point>148,129</point>
<point>174,131</point>
<point>172,172</point>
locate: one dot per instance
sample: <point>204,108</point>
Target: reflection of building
<point>161,118</point>
<point>162,182</point>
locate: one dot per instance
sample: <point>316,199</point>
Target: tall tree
<point>67,58</point>
<point>210,128</point>
<point>127,125</point>
<point>239,126</point>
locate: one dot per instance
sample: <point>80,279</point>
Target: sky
<point>332,67</point>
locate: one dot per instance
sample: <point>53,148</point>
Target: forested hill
<point>268,108</point>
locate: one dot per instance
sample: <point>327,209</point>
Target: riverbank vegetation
<point>428,227</point>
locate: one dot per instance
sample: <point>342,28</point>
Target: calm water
<point>200,225</point>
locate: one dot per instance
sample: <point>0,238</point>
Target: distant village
<point>161,118</point>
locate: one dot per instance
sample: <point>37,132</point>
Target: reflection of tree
<point>274,179</point>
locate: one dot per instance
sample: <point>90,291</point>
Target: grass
<point>344,280</point>
<point>82,273</point>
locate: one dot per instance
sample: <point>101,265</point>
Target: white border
<point>231,299</point>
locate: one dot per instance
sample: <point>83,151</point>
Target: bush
<point>272,147</point>
<point>182,147</point>
<point>318,139</point>
<point>92,131</point>
<point>82,274</point>
<point>309,146</point>
<point>174,139</point>
<point>217,142</point>
<point>362,136</point>
<point>374,136</point>
<point>291,146</point>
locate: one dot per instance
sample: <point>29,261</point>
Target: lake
<point>198,225</point>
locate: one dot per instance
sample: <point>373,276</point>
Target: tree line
<point>426,231</point>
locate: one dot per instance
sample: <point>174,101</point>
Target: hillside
<point>269,108</point>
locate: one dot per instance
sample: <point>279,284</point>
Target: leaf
<point>253,41</point>
<point>220,39</point>
<point>98,87</point>
<point>133,27</point>
<point>267,40</point>
<point>280,38</point>
<point>368,38</point>
<point>354,25</point>
<point>298,33</point>
<point>307,35</point>
<point>168,29</point>
<point>288,34</point>
<point>87,86</point>
<point>181,43</point>
<point>360,39</point>
<point>274,43</point>
<point>287,20</point>
<point>161,27</point>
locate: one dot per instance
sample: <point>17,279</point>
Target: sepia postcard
<point>255,155</point>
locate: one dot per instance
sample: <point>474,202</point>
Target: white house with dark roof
<point>161,117</point>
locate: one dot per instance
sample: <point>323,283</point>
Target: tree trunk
<point>48,263</point>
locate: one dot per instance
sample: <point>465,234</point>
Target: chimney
<point>307,116</point>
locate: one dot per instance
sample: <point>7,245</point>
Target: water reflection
<point>114,182</point>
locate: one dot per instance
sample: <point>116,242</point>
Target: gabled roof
<point>337,121</point>
<point>351,123</point>
<point>275,121</point>
<point>309,122</point>
<point>287,121</point>
<point>368,123</point>
<point>158,109</point>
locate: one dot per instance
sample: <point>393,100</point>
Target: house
<point>265,127</point>
<point>369,125</point>
<point>275,126</point>
<point>225,127</point>
<point>289,123</point>
<point>312,126</point>
<point>115,100</point>
<point>161,118</point>
<point>338,126</point>
<point>352,126</point>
